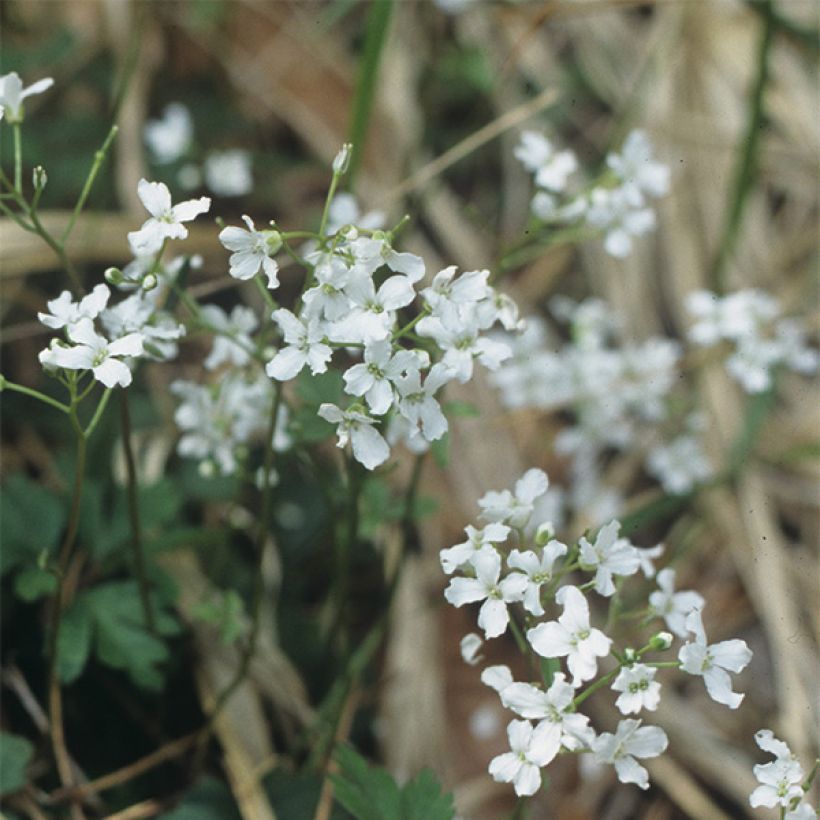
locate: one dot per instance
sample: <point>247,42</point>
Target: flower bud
<point>342,160</point>
<point>39,177</point>
<point>273,239</point>
<point>149,282</point>
<point>544,534</point>
<point>630,655</point>
<point>114,276</point>
<point>661,641</point>
<point>207,469</point>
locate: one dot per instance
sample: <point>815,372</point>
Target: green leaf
<point>370,793</point>
<point>422,799</point>
<point>74,640</point>
<point>31,520</point>
<point>33,583</point>
<point>324,387</point>
<point>110,618</point>
<point>209,799</point>
<point>15,755</point>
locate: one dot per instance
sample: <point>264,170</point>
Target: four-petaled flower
<point>711,662</point>
<point>630,741</point>
<point>252,249</point>
<point>166,219</point>
<point>522,765</point>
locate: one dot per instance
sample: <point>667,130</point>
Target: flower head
<point>12,94</point>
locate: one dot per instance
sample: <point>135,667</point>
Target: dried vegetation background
<point>589,70</point>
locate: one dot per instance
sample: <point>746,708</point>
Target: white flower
<point>166,219</point>
<point>65,312</point>
<point>477,541</point>
<point>470,644</point>
<point>538,570</point>
<point>371,312</point>
<point>609,555</point>
<point>493,617</point>
<point>252,249</point>
<point>521,766</point>
<point>629,742</point>
<point>344,210</point>
<point>468,288</point>
<point>305,345</point>
<point>551,167</point>
<point>233,342</point>
<point>560,724</point>
<point>168,138</point>
<point>635,166</point>
<point>417,403</point>
<point>374,377</point>
<point>94,352</point>
<point>673,606</point>
<point>369,448</point>
<point>647,556</point>
<point>370,253</point>
<point>780,783</point>
<point>138,314</point>
<point>712,661</point>
<point>638,687</point>
<point>679,465</point>
<point>497,677</point>
<point>515,509</point>
<point>621,214</point>
<point>571,636</point>
<point>766,740</point>
<point>228,173</point>
<point>12,95</point>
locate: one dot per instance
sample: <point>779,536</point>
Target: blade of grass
<point>746,169</point>
<point>378,21</point>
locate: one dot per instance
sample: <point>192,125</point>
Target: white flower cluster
<point>617,206</point>
<point>781,780</point>
<point>512,560</point>
<point>170,138</point>
<point>751,322</point>
<point>134,328</point>
<point>617,390</point>
<point>351,307</point>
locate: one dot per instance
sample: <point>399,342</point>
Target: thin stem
<point>249,649</point>
<point>134,513</point>
<point>99,158</point>
<point>746,169</point>
<point>600,683</point>
<point>35,394</point>
<point>378,20</point>
<point>55,703</point>
<point>269,300</point>
<point>98,412</point>
<point>519,636</point>
<point>18,159</point>
<point>334,182</point>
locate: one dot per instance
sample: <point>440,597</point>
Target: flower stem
<point>590,690</point>
<point>134,514</point>
<point>99,157</point>
<point>35,394</point>
<point>98,412</point>
<point>18,159</point>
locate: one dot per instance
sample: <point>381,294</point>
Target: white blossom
<point>305,345</point>
<point>609,556</point>
<point>65,312</point>
<point>711,662</point>
<point>515,509</point>
<point>228,173</point>
<point>521,766</point>
<point>169,137</point>
<point>673,607</point>
<point>537,569</point>
<point>477,541</point>
<point>232,342</point>
<point>571,636</point>
<point>90,351</point>
<point>166,219</point>
<point>630,742</point>
<point>493,617</point>
<point>638,688</point>
<point>252,249</point>
<point>12,94</point>
<point>634,165</point>
<point>369,447</point>
<point>416,401</point>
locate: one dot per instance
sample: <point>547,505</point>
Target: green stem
<point>334,182</point>
<point>99,158</point>
<point>378,20</point>
<point>134,514</point>
<point>746,169</point>
<point>55,704</point>
<point>600,683</point>
<point>35,394</point>
<point>95,420</point>
<point>410,325</point>
<point>18,159</point>
<point>269,300</point>
<point>519,636</point>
